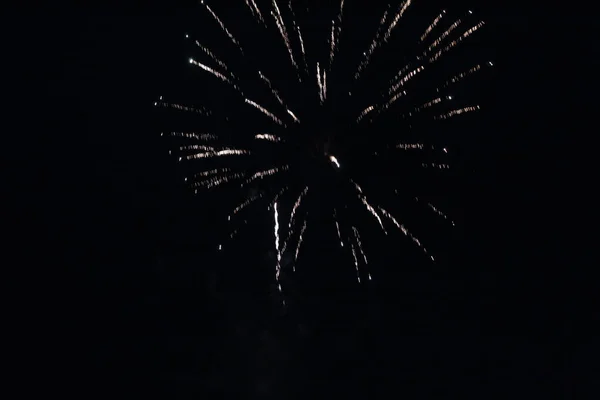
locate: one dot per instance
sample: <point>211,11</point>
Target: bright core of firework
<point>274,183</point>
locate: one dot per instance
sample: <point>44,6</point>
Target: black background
<point>124,272</point>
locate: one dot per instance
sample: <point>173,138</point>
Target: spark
<point>283,32</point>
<point>334,160</point>
<point>297,204</point>
<point>297,28</point>
<point>364,112</point>
<point>293,116</point>
<point>440,213</point>
<point>197,147</point>
<point>268,137</point>
<point>459,111</point>
<point>211,55</point>
<point>268,172</point>
<point>357,237</point>
<point>225,152</point>
<point>300,240</point>
<point>461,76</point>
<point>264,111</point>
<point>320,83</point>
<point>431,103</point>
<point>332,40</point>
<point>406,78</point>
<point>337,227</point>
<point>456,41</point>
<point>404,230</point>
<point>433,25</point>
<point>358,188</point>
<point>435,165</point>
<point>255,10</point>
<point>373,212</point>
<point>214,72</point>
<point>247,202</point>
<point>223,27</point>
<point>403,7</point>
<point>444,35</point>
<point>277,96</point>
<point>182,107</point>
<point>355,262</point>
<point>409,146</point>
<point>372,47</point>
<point>215,181</point>
<point>278,266</point>
<point>212,172</point>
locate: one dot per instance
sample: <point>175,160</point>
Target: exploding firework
<point>331,126</point>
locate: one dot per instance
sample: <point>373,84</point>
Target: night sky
<point>139,303</point>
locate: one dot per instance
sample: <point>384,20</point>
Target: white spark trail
<point>283,32</point>
<point>193,135</point>
<point>403,7</point>
<point>296,205</point>
<point>223,27</point>
<point>355,262</point>
<point>372,47</point>
<point>255,11</point>
<point>211,172</point>
<point>300,240</point>
<point>277,96</point>
<point>268,172</point>
<point>433,25</point>
<point>264,111</point>
<point>456,41</point>
<point>225,152</point>
<point>182,107</point>
<point>215,73</point>
<point>247,202</point>
<point>453,113</point>
<point>297,28</point>
<point>372,211</point>
<point>364,112</point>
<point>405,231</point>
<point>461,76</point>
<point>357,236</point>
<point>197,147</point>
<point>268,137</point>
<point>440,213</point>
<point>293,116</point>
<point>211,55</point>
<point>445,34</point>
<point>409,146</point>
<point>215,181</point>
<point>337,227</point>
<point>332,40</point>
<point>278,266</point>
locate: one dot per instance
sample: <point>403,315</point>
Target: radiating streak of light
<point>279,195</point>
<point>358,188</point>
<point>409,146</point>
<point>372,47</point>
<point>403,7</point>
<point>264,111</point>
<point>181,107</point>
<point>297,29</point>
<point>324,84</point>
<point>357,237</point>
<point>320,83</point>
<point>456,41</point>
<point>459,111</point>
<point>300,240</point>
<point>247,202</point>
<point>296,205</point>
<point>211,172</point>
<point>293,116</point>
<point>214,72</point>
<point>332,42</point>
<point>406,78</point>
<point>372,211</point>
<point>461,76</point>
<point>281,26</point>
<point>435,165</point>
<point>429,104</point>
<point>277,249</point>
<point>255,10</point>
<point>393,99</point>
<point>440,213</point>
<point>225,152</point>
<point>404,230</point>
<point>273,90</point>
<point>432,26</point>
<point>337,227</point>
<point>268,137</point>
<point>223,27</point>
<point>364,112</point>
<point>268,172</point>
<point>355,262</point>
<point>211,55</point>
<point>197,147</point>
<point>444,35</point>
<point>215,181</point>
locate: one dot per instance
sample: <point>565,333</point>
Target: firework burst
<point>294,151</point>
